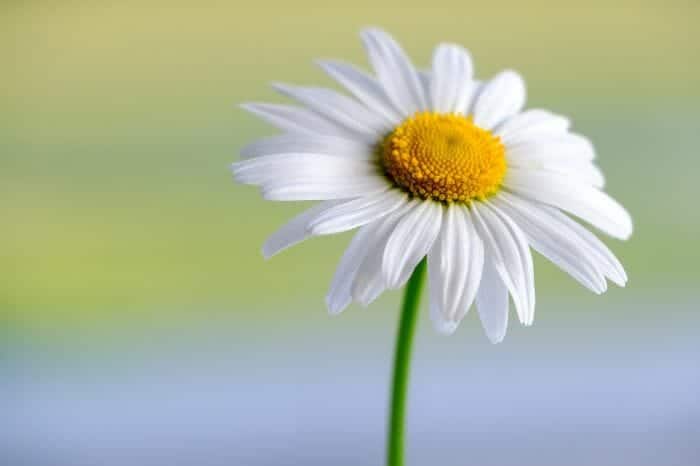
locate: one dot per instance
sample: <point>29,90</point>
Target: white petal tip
<point>334,307</point>
<point>267,253</point>
<point>325,63</point>
<point>495,339</point>
<point>625,230</point>
<point>269,250</point>
<point>627,227</point>
<point>389,281</point>
<point>393,278</point>
<point>445,327</point>
<point>619,281</point>
<point>273,196</point>
<point>248,106</point>
<point>282,87</point>
<point>331,67</point>
<point>237,176</point>
<point>392,285</point>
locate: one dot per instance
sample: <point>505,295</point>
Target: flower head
<point>436,163</point>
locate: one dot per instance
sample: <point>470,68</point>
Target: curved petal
<point>492,303</point>
<point>562,249</point>
<point>500,98</point>
<point>454,270</point>
<point>340,293</point>
<point>339,109</point>
<point>294,231</point>
<point>591,246</point>
<point>358,212</point>
<point>369,281</point>
<point>451,84</point>
<point>476,263</point>
<point>308,144</point>
<point>530,124</point>
<point>364,87</point>
<point>410,242</point>
<point>510,255</point>
<point>584,201</point>
<point>395,72</point>
<point>296,120</point>
<point>525,255</point>
<point>606,260</point>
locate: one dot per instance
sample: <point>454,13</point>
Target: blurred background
<point>140,325</point>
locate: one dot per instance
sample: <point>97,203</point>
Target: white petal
<point>451,84</point>
<point>308,144</point>
<point>339,109</point>
<point>554,243</point>
<point>531,124</point>
<point>558,148</point>
<point>302,167</point>
<point>511,256</point>
<point>588,173</point>
<point>294,231</point>
<point>492,303</point>
<point>425,79</point>
<point>340,293</point>
<point>452,270</point>
<point>310,177</point>
<point>364,87</point>
<point>586,202</point>
<point>410,242</point>
<point>395,72</point>
<point>565,153</point>
<point>585,173</point>
<point>605,260</point>
<point>313,190</point>
<point>358,212</point>
<point>525,256</point>
<point>476,263</point>
<point>500,98</point>
<point>447,271</point>
<point>609,265</point>
<point>369,282</point>
<point>296,120</point>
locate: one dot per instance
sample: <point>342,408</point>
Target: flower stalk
<point>402,366</point>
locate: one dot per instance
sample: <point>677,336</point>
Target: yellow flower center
<point>444,157</point>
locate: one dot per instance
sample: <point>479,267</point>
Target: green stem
<point>402,366</point>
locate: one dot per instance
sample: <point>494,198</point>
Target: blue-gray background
<point>141,326</point>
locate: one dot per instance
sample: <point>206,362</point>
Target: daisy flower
<point>436,163</point>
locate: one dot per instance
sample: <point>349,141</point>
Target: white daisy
<point>436,163</point>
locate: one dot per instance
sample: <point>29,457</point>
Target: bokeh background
<point>140,324</point>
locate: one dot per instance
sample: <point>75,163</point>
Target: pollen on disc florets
<point>444,157</point>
